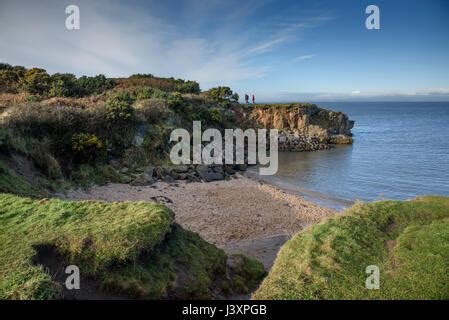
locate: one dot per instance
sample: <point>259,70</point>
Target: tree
<point>221,94</point>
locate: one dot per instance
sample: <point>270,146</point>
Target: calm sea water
<point>400,150</point>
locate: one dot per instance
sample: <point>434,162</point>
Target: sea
<point>400,151</point>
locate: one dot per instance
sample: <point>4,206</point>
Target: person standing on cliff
<point>246,98</point>
<point>254,99</point>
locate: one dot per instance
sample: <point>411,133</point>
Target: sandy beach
<point>238,215</point>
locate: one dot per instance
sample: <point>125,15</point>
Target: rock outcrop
<point>304,127</point>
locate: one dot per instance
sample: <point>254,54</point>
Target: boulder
<point>340,139</point>
<point>207,173</point>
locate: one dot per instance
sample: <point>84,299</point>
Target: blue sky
<point>278,50</point>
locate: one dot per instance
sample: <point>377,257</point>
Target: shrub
<point>159,94</point>
<point>141,75</point>
<point>134,157</point>
<point>43,159</point>
<point>64,85</point>
<point>144,93</point>
<point>5,66</point>
<point>215,115</point>
<point>119,107</point>
<point>19,70</point>
<point>86,147</point>
<point>154,138</point>
<point>94,85</point>
<point>40,121</point>
<point>151,110</point>
<point>222,94</point>
<point>175,100</point>
<point>32,98</point>
<point>188,87</point>
<point>9,81</point>
<point>11,142</point>
<point>36,81</point>
<point>10,77</point>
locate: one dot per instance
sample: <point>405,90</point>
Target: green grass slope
<point>133,249</point>
<point>408,241</point>
<point>10,182</point>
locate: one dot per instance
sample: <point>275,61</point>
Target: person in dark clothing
<point>246,98</point>
<point>254,99</point>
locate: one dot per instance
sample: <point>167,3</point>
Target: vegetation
<point>119,107</point>
<point>222,94</point>
<point>71,128</point>
<point>407,240</point>
<point>140,252</point>
<point>59,130</point>
<point>87,147</point>
<point>11,182</point>
<point>36,81</point>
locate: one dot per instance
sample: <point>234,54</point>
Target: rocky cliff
<point>304,127</point>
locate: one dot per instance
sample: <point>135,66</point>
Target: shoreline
<point>240,215</point>
<point>316,197</point>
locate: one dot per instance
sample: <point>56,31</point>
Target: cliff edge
<point>304,127</point>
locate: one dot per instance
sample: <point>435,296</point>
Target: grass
<point>131,248</point>
<point>408,241</point>
<point>11,182</point>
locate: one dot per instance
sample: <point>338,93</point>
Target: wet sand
<point>238,215</point>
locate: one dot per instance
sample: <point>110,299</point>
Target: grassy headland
<point>408,241</point>
<point>133,249</point>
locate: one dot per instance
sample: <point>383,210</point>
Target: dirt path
<point>239,215</point>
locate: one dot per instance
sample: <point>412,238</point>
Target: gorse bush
<point>64,85</point>
<point>119,106</point>
<point>188,86</point>
<point>36,81</point>
<point>9,81</point>
<point>94,85</point>
<point>175,100</point>
<point>215,115</point>
<point>144,93</point>
<point>10,77</point>
<point>87,147</point>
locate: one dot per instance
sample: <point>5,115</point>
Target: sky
<point>284,51</point>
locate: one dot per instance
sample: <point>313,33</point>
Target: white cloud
<point>266,46</point>
<point>116,40</point>
<point>423,94</point>
<point>303,57</point>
